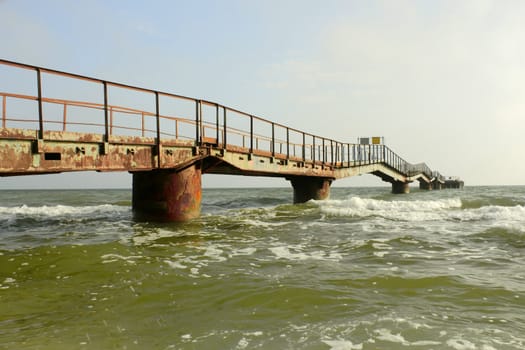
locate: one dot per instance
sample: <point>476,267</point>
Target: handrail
<point>306,147</point>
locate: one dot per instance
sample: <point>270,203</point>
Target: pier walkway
<point>54,122</point>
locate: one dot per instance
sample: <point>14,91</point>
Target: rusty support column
<point>399,187</point>
<point>306,188</point>
<point>165,195</point>
<point>425,186</point>
<point>437,185</point>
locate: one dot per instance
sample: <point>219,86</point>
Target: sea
<point>366,269</point>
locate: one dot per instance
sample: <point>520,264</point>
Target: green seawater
<point>363,270</point>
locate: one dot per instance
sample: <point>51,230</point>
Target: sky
<point>442,81</point>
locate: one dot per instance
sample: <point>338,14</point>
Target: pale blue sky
<point>442,81</point>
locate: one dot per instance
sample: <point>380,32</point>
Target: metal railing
<point>161,116</point>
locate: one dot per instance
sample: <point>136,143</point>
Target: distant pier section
<point>454,182</point>
<point>56,122</point>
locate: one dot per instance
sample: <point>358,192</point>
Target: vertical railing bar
<point>157,117</point>
<point>197,126</point>
<point>287,143</point>
<point>142,121</point>
<point>224,140</point>
<point>106,116</point>
<point>324,153</point>
<point>332,152</point>
<point>202,134</point>
<point>110,121</point>
<point>40,108</point>
<point>217,124</point>
<point>251,134</point>
<point>313,149</point>
<point>64,117</point>
<point>348,150</point>
<point>4,111</point>
<point>273,139</point>
<point>304,147</point>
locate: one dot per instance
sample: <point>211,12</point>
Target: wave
<point>60,211</point>
<point>395,210</point>
<point>491,212</point>
<point>451,209</point>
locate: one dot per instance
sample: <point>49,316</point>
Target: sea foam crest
<point>54,211</point>
<point>492,213</point>
<point>397,210</point>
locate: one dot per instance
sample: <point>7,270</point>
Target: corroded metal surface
<point>168,195</point>
<point>21,152</point>
<point>306,188</point>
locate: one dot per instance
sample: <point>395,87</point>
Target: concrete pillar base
<point>399,187</point>
<point>306,188</point>
<point>167,195</point>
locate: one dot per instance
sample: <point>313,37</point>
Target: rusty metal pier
<point>56,122</point>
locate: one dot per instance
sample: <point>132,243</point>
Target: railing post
<point>348,150</point>
<point>105,147</point>
<point>324,152</point>
<point>251,134</point>
<point>304,147</point>
<point>110,121</point>
<point>217,124</point>
<point>332,152</point>
<point>142,123</point>
<point>273,139</point>
<point>202,132</point>
<point>313,150</point>
<point>64,117</point>
<point>40,108</point>
<point>4,111</point>
<point>197,122</point>
<point>287,143</point>
<point>224,139</point>
<point>157,117</point>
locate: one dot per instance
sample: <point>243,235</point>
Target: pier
<point>56,122</point>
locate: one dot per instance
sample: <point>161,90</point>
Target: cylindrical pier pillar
<point>425,185</point>
<point>165,195</point>
<point>399,187</point>
<point>437,185</point>
<point>306,188</point>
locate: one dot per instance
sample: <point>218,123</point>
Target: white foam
<point>386,335</point>
<point>9,213</point>
<point>342,345</point>
<point>109,258</point>
<point>395,210</point>
<point>283,252</point>
<point>425,343</point>
<point>214,253</point>
<point>175,264</point>
<point>492,213</point>
<point>242,252</point>
<point>461,344</point>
